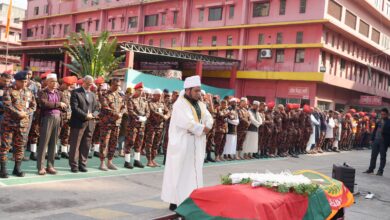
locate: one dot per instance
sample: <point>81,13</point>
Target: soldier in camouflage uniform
<point>19,103</point>
<point>269,130</point>
<point>33,134</point>
<point>138,112</point>
<point>5,82</point>
<point>112,109</point>
<point>159,113</point>
<point>221,129</point>
<point>284,132</point>
<point>101,89</point>
<point>345,131</point>
<point>278,137</point>
<point>66,88</point>
<point>262,137</point>
<point>242,128</point>
<point>308,129</point>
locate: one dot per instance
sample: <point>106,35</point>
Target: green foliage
<point>225,180</point>
<point>92,58</point>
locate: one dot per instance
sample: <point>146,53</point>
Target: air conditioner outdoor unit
<point>266,53</point>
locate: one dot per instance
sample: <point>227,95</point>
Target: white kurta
<point>186,151</point>
<point>329,128</point>
<point>252,137</point>
<point>312,139</point>
<point>231,140</point>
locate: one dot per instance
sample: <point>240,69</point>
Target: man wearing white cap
<point>230,148</point>
<point>252,138</point>
<point>190,123</point>
<point>52,103</point>
<point>159,113</point>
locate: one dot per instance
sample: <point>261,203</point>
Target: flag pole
<point>7,33</point>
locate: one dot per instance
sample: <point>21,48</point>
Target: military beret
<point>21,75</point>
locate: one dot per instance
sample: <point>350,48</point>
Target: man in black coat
<point>84,107</point>
<point>380,140</point>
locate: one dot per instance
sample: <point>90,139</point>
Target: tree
<point>89,58</point>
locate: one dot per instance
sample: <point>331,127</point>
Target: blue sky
<point>18,3</point>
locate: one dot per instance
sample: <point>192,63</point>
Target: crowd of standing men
<point>75,118</point>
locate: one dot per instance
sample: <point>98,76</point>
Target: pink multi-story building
<point>327,53</point>
<point>15,34</point>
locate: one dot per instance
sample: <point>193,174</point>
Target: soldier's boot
<point>127,162</point>
<point>3,171</point>
<point>33,154</point>
<point>209,158</point>
<point>17,172</point>
<point>96,150</point>
<point>64,151</point>
<point>137,160</point>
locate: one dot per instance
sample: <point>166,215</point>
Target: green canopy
<point>155,82</point>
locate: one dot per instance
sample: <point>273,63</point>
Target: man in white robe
<point>190,122</point>
<point>252,136</point>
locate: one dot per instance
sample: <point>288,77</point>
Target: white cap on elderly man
<point>51,76</point>
<point>256,103</point>
<point>190,82</point>
<point>147,90</point>
<point>233,100</point>
<point>244,99</point>
<point>157,92</point>
<point>203,92</point>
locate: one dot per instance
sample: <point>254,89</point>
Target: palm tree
<point>89,58</point>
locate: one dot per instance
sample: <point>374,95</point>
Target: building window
<point>364,28</point>
<point>161,42</point>
<point>66,29</point>
<point>133,22</point>
<point>163,18</point>
<point>300,55</point>
<point>229,54</point>
<point>375,35</point>
<point>16,20</point>
<point>214,41</point>
<point>229,40</point>
<point>30,32</point>
<point>173,42</point>
<point>215,14</point>
<point>282,9</point>
<point>261,39</point>
<point>151,20</point>
<point>213,53</point>
<point>46,9</point>
<point>334,9</point>
<point>97,24</point>
<point>302,6</point>
<point>36,11</point>
<point>151,42</point>
<point>201,14</point>
<point>350,20</point>
<point>94,2</point>
<point>299,39</point>
<point>79,27</point>
<point>280,56</point>
<point>342,64</point>
<point>175,14</point>
<point>112,23</point>
<point>231,11</point>
<point>279,38</point>
<point>261,9</point>
<point>200,41</point>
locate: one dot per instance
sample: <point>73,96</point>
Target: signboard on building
<point>370,100</point>
<point>302,92</point>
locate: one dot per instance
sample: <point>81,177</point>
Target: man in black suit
<point>380,141</point>
<point>84,107</point>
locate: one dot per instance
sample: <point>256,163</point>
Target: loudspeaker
<point>345,174</point>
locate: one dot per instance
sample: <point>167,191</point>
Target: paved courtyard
<point>134,194</point>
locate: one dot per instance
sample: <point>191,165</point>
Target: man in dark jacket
<point>380,140</point>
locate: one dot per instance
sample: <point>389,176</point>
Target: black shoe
<point>257,156</point>
<point>209,159</point>
<point>74,170</point>
<point>369,171</point>
<point>172,207</point>
<point>96,154</point>
<point>57,157</point>
<point>379,173</point>
<point>3,172</point>
<point>33,156</point>
<point>90,156</point>
<point>83,169</point>
<point>17,172</point>
<point>205,160</point>
<point>138,164</point>
<point>128,165</point>
<point>65,155</point>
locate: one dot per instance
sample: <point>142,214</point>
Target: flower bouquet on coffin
<point>283,182</point>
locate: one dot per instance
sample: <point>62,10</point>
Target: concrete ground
<point>135,195</point>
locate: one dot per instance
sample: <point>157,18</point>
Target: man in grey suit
<point>85,109</point>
